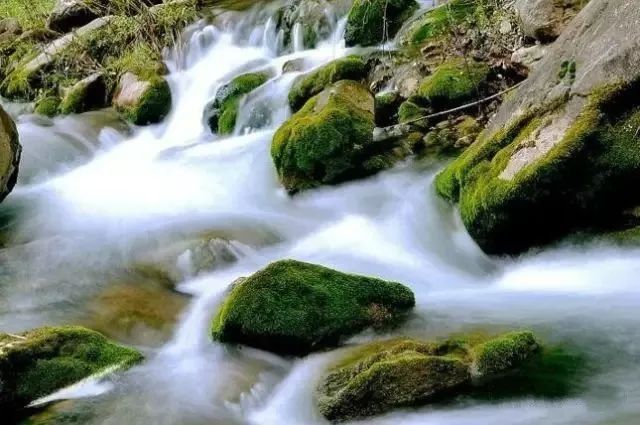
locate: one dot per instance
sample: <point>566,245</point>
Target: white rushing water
<point>90,200</point>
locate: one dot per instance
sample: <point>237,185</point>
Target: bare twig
<point>467,106</point>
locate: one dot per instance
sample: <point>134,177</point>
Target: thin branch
<point>467,106</point>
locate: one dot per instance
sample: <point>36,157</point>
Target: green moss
<point>454,82</point>
<point>222,112</point>
<point>153,106</point>
<point>381,376</point>
<point>449,138</point>
<point>30,14</point>
<point>328,141</point>
<point>291,307</point>
<point>371,22</point>
<point>410,111</point>
<point>308,85</point>
<point>142,60</point>
<point>48,106</point>
<point>569,188</point>
<point>86,95</point>
<point>40,362</point>
<point>439,22</point>
<point>504,353</point>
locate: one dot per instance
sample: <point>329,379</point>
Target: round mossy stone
<point>291,307</point>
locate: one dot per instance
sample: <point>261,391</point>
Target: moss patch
<point>308,85</point>
<point>48,106</point>
<point>42,361</point>
<point>454,82</point>
<point>291,307</point>
<point>438,22</point>
<point>371,22</point>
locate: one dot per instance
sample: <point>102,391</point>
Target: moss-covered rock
<point>549,172</point>
<point>412,110</point>
<point>438,22</point>
<point>39,362</point>
<point>330,140</point>
<point>501,354</point>
<point>454,82</point>
<point>86,95</point>
<point>221,113</point>
<point>143,102</point>
<point>387,105</point>
<point>291,307</point>
<point>382,376</point>
<point>312,19</point>
<point>371,22</point>
<point>308,85</point>
<point>48,106</point>
<point>10,151</point>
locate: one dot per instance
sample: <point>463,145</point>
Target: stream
<point>95,196</point>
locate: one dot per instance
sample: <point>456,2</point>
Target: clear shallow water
<point>95,198</point>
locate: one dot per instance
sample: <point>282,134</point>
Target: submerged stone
<point>39,362</point>
<point>382,376</point>
<point>293,308</point>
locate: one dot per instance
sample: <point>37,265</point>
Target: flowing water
<point>94,197</point>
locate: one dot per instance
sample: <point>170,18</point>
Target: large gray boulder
<point>545,19</point>
<point>563,147</point>
<point>70,14</point>
<point>10,150</point>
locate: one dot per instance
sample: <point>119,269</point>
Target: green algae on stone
<point>308,85</point>
<point>451,137</point>
<point>291,307</point>
<point>372,22</point>
<point>328,141</point>
<point>39,362</point>
<point>221,113</point>
<point>381,376</point>
<point>454,82</point>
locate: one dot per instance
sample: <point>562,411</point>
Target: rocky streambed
<point>318,212</point>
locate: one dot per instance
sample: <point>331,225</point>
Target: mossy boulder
<point>10,151</point>
<point>555,155</point>
<point>221,113</point>
<point>382,376</point>
<point>293,308</point>
<point>70,14</point>
<point>86,95</point>
<point>330,140</point>
<point>39,362</point>
<point>412,109</point>
<point>387,105</point>
<point>437,23</point>
<point>454,82</point>
<point>306,86</point>
<point>141,101</point>
<point>48,106</point>
<point>372,22</point>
